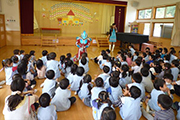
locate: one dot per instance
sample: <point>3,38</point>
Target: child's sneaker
<point>0,87</point>
<point>2,82</point>
<point>32,86</point>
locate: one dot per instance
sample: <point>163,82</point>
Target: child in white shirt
<point>174,69</point>
<point>68,64</point>
<point>75,83</point>
<point>131,49</point>
<point>52,64</point>
<point>22,53</point>
<point>44,57</point>
<point>49,85</point>
<point>84,63</point>
<point>46,111</point>
<point>62,64</point>
<point>71,75</point>
<point>136,66</point>
<point>105,74</point>
<point>17,53</point>
<point>62,99</point>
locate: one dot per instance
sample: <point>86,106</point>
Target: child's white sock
<point>32,86</point>
<point>109,46</point>
<point>113,47</point>
<point>2,82</point>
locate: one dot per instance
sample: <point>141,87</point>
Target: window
<point>165,12</point>
<point>146,29</point>
<point>163,30</point>
<point>144,14</point>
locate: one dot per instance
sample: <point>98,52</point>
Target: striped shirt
<point>164,115</point>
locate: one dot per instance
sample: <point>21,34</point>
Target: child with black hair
<point>15,61</point>
<point>68,64</point>
<point>114,90</point>
<point>85,87</point>
<point>117,65</point>
<point>49,85</point>
<point>44,57</point>
<point>18,106</point>
<point>156,69</point>
<point>159,88</point>
<point>129,58</point>
<point>99,104</point>
<point>100,57</point>
<point>52,64</point>
<point>113,74</point>
<point>72,73</point>
<point>130,105</point>
<point>99,86</point>
<point>151,59</point>
<point>137,81</point>
<point>160,51</point>
<point>131,48</point>
<point>125,76</point>
<point>46,111</point>
<point>17,53</point>
<point>83,62</point>
<point>135,55</point>
<point>167,58</point>
<point>145,57</point>
<point>108,52</point>
<point>41,69</point>
<point>22,53</point>
<point>174,69</point>
<point>106,61</point>
<point>147,49</point>
<point>68,56</point>
<point>166,113</point>
<point>62,99</point>
<point>62,64</point>
<point>8,65</point>
<point>123,60</point>
<point>108,114</point>
<point>172,55</point>
<point>75,83</point>
<point>32,57</point>
<point>105,74</point>
<point>146,80</point>
<point>164,52</point>
<point>136,66</point>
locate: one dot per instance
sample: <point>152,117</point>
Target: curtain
<point>107,14</point>
<point>176,36</point>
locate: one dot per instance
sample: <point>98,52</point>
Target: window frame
<point>165,6</point>
<point>153,26</point>
<point>137,15</point>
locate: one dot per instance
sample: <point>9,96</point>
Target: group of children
<point>122,83</point>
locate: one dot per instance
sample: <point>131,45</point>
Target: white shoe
<point>32,86</point>
<point>0,87</point>
<point>2,82</point>
<point>75,93</point>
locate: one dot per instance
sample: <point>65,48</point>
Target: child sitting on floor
<point>174,69</point>
<point>46,111</point>
<point>84,63</point>
<point>41,69</point>
<point>44,57</point>
<point>62,99</point>
<point>105,74</point>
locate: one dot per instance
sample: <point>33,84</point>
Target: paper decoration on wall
<point>70,20</point>
<point>43,15</point>
<point>60,10</point>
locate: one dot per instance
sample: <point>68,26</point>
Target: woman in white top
<point>17,106</point>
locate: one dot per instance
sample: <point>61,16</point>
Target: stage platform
<point>62,39</point>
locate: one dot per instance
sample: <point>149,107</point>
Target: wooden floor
<point>78,111</point>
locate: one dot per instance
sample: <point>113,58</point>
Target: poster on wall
<point>0,6</point>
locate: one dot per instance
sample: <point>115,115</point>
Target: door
<point>120,13</point>
<point>2,31</point>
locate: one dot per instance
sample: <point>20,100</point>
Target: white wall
<point>12,13</point>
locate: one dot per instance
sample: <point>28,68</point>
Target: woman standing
<point>112,36</point>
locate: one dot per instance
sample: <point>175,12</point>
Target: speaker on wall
<point>134,3</point>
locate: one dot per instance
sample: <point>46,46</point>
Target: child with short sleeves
<point>49,85</point>
<point>117,65</point>
<point>62,99</point>
<point>123,60</point>
<point>22,53</point>
<point>114,90</point>
<point>105,74</point>
<point>41,69</point>
<point>146,80</point>
<point>72,73</point>
<point>130,105</point>
<point>15,61</point>
<point>76,79</point>
<point>46,111</point>
<point>159,88</point>
<point>125,77</point>
<point>136,66</point>
<point>62,64</point>
<point>166,113</point>
<point>108,114</point>
<point>129,58</point>
<point>174,69</point>
<point>84,63</point>
<point>135,55</point>
<point>85,87</point>
<point>137,81</point>
<point>8,65</point>
<point>68,64</point>
<point>97,89</point>
<point>69,56</point>
<point>99,104</point>
<point>44,57</point>
<point>32,56</point>
<point>113,74</point>
<point>52,64</point>
<point>168,78</point>
<point>17,53</point>
<point>131,48</point>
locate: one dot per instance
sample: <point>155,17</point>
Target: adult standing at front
<point>112,36</point>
